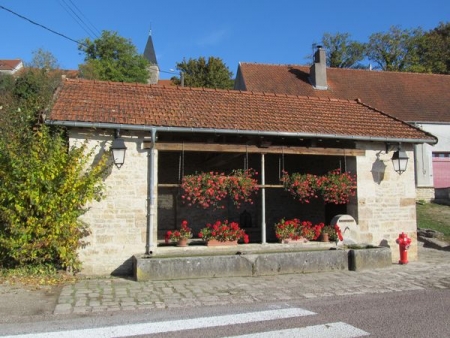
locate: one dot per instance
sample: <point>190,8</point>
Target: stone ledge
<point>257,264</point>
<point>369,258</point>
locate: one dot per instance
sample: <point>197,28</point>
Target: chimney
<point>318,71</point>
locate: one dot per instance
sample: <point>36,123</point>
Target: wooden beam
<point>251,149</point>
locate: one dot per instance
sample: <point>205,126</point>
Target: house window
<point>441,154</point>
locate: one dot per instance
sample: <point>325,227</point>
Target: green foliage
<point>44,190</point>
<point>395,50</point>
<point>341,51</point>
<point>113,58</point>
<point>207,74</point>
<point>434,50</point>
<point>45,186</point>
<point>6,84</point>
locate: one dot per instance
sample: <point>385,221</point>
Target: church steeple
<point>150,55</point>
<point>149,51</point>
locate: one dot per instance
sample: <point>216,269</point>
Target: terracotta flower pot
<point>215,242</point>
<point>325,237</point>
<point>294,241</point>
<point>182,242</point>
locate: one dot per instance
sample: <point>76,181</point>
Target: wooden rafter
<point>251,149</point>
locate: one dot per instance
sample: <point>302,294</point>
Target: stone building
<point>170,132</point>
<point>422,100</point>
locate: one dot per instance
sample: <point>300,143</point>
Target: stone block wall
<point>118,222</point>
<point>386,201</point>
<point>384,205</point>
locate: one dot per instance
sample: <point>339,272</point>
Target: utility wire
<point>97,33</point>
<point>76,18</point>
<point>79,20</point>
<point>42,26</point>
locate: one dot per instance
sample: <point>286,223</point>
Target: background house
<point>173,131</point>
<point>422,100</point>
<point>10,66</point>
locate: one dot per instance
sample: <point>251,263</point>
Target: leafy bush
<point>45,188</point>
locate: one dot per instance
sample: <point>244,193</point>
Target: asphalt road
<point>420,313</point>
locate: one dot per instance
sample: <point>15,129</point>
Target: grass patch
<point>434,216</point>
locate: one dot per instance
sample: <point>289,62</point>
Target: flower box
<point>294,241</point>
<point>223,232</point>
<point>215,242</point>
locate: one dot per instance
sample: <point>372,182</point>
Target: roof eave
<point>100,125</point>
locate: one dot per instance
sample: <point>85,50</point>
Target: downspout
<point>151,197</point>
<point>263,200</point>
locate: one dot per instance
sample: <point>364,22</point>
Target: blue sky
<point>264,31</point>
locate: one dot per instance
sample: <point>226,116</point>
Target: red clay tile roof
<point>411,97</point>
<point>9,65</point>
<point>152,105</point>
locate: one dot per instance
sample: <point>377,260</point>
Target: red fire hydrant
<point>404,242</point>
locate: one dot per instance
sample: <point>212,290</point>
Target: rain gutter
<point>233,132</point>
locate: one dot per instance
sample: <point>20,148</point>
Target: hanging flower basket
<point>211,189</point>
<point>335,187</point>
<point>302,186</point>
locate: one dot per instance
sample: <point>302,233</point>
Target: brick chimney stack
<point>318,71</point>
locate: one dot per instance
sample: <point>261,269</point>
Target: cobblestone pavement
<point>115,294</point>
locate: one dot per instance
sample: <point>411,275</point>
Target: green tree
<point>45,184</point>
<point>113,58</point>
<point>343,52</point>
<point>434,49</point>
<point>396,50</point>
<point>207,74</point>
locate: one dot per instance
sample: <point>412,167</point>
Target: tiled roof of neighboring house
<point>154,105</point>
<point>10,66</point>
<point>411,97</point>
<point>165,82</point>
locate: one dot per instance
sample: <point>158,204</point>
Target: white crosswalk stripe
<point>335,330</point>
<point>326,330</point>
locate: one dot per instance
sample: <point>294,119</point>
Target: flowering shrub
<point>335,187</point>
<point>223,231</point>
<point>295,229</point>
<point>184,233</point>
<point>334,233</point>
<point>210,189</point>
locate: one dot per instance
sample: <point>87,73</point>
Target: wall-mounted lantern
<point>118,149</point>
<point>400,161</point>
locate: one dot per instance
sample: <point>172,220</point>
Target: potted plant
<point>286,230</point>
<point>331,234</point>
<point>311,232</point>
<point>211,189</point>
<point>181,236</point>
<point>223,233</point>
<point>291,230</point>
